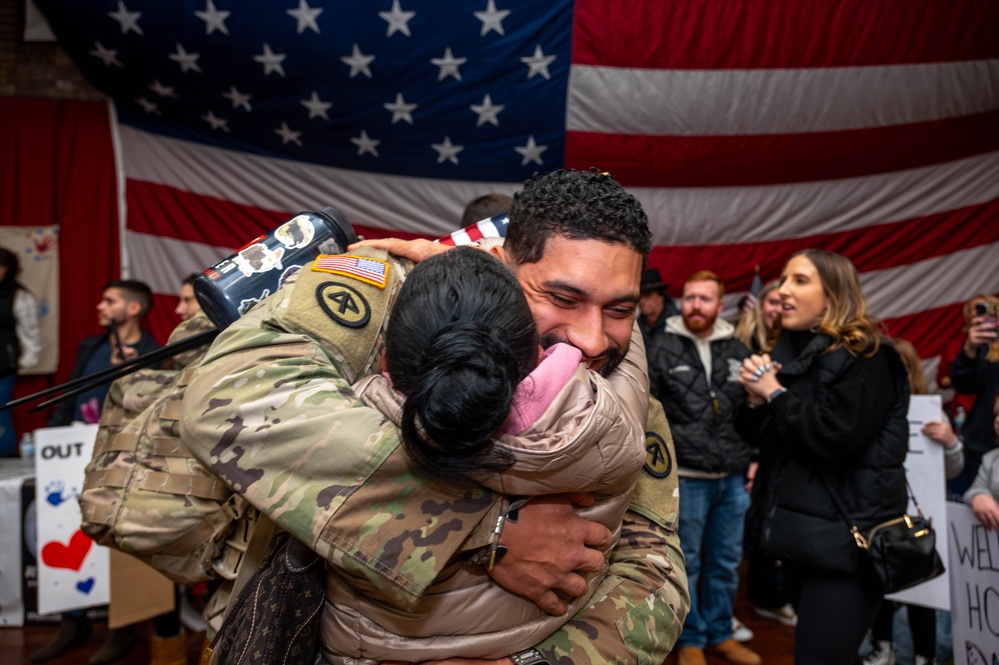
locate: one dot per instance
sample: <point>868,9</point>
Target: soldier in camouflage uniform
<point>271,409</point>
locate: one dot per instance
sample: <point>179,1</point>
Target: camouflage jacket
<point>271,411</point>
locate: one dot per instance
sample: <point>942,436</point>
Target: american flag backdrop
<point>748,128</point>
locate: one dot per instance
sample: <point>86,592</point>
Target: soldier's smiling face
<point>584,293</point>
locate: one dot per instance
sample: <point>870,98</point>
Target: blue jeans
<point>712,513</point>
<point>8,437</point>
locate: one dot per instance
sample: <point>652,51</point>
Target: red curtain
<point>57,167</point>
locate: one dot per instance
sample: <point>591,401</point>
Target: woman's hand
<point>414,250</point>
<point>940,432</point>
<point>982,331</point>
<point>758,375</point>
<point>986,510</point>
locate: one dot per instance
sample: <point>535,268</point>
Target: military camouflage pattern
<point>272,413</point>
<point>143,493</point>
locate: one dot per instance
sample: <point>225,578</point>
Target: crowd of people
<point>568,466</point>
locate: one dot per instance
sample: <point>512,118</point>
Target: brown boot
<point>691,656</point>
<point>118,642</point>
<point>169,650</point>
<point>734,653</point>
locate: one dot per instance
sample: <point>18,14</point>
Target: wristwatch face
<point>528,657</point>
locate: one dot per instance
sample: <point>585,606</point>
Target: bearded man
<point>693,370</point>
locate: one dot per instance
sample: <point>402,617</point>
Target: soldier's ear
<point>384,364</point>
<point>497,251</point>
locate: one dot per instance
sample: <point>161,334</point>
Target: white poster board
<point>924,468</point>
<point>73,571</point>
<point>37,249</point>
<point>974,576</point>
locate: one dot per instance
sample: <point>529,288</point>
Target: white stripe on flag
<point>680,216</point>
<point>158,260</point>
<point>728,102</point>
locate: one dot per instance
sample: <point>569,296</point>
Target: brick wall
<point>31,69</point>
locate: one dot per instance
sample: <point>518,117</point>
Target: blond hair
<point>752,327</point>
<point>910,358</point>
<point>845,320</point>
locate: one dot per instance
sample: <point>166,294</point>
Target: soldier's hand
<point>414,250</point>
<point>545,547</point>
<point>452,661</point>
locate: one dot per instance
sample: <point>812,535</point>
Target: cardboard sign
<point>974,576</point>
<point>924,468</point>
<point>72,569</point>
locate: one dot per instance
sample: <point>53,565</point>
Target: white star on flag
<point>237,98</point>
<point>358,62</point>
<point>487,111</point>
<point>492,19</point>
<point>216,122</point>
<point>531,152</point>
<point>400,109</point>
<point>317,107</point>
<point>129,21</point>
<point>538,63</point>
<point>148,106</point>
<point>365,144</point>
<point>447,151</point>
<point>271,60</point>
<point>107,56</point>
<point>448,64</point>
<point>161,90</point>
<point>306,17</point>
<point>287,135</point>
<point>185,60</point>
<point>214,19</point>
<point>398,20</point>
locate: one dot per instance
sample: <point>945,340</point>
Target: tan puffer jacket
<point>591,438</point>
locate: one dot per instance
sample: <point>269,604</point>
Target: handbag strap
<point>857,536</point>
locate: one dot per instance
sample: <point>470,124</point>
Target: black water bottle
<point>232,286</point>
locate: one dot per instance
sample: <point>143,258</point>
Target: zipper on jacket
<point>714,402</point>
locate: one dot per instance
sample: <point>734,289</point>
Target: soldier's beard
<point>612,355</point>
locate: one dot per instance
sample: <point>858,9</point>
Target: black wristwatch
<point>528,657</point>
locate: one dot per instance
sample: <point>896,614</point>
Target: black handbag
<point>903,551</point>
<point>275,618</point>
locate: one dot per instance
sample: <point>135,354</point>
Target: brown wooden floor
<point>772,641</point>
<point>17,643</point>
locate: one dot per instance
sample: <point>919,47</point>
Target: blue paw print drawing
<point>56,494</point>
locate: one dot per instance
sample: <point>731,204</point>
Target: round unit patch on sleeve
<point>658,460</point>
<point>344,304</point>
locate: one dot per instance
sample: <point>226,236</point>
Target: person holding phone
<point>975,371</point>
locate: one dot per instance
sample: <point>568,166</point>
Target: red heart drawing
<point>57,555</point>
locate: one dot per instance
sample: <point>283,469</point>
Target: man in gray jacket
<point>693,370</point>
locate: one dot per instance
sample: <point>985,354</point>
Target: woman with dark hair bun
<point>20,340</point>
<point>477,401</point>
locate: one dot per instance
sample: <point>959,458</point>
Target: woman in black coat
<point>827,406</point>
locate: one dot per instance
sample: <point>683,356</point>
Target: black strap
<point>857,536</point>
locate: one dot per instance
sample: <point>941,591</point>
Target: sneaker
<point>734,653</point>
<point>882,654</point>
<point>691,656</point>
<point>785,615</point>
<point>740,633</point>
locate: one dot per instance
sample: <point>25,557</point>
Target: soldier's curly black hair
<point>578,205</point>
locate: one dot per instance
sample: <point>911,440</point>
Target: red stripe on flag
<point>870,248</point>
<point>931,330</point>
<point>757,34</point>
<point>169,212</point>
<point>723,161</point>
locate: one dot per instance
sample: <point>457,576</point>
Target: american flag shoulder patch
<point>369,271</point>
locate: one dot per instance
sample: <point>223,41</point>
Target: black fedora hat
<point>652,281</point>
